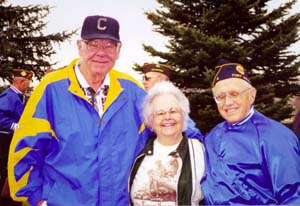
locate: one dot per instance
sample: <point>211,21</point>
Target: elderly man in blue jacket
<point>12,102</point>
<point>82,128</point>
<point>250,159</point>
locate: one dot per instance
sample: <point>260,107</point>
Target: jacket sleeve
<point>8,112</point>
<point>30,144</point>
<point>192,131</point>
<point>144,132</point>
<point>281,157</point>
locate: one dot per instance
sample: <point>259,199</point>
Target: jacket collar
<point>114,88</point>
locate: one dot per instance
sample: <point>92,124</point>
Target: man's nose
<point>228,100</point>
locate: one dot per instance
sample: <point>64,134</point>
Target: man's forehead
<point>155,74</point>
<point>229,84</point>
<point>103,40</point>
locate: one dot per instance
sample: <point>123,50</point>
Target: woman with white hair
<point>169,168</point>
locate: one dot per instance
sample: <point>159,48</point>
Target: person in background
<point>169,169</point>
<point>250,158</point>
<point>12,102</point>
<point>81,129</point>
<point>296,121</point>
<point>155,73</point>
<point>296,124</point>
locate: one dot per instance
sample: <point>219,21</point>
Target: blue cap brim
<point>100,36</point>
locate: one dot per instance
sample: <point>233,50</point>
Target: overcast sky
<point>135,28</point>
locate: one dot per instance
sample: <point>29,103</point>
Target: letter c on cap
<point>99,26</point>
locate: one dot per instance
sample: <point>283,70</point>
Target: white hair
<point>165,88</point>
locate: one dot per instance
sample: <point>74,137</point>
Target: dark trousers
<point>5,140</point>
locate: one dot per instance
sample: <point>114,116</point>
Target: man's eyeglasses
<point>147,78</point>
<point>159,114</point>
<point>96,45</point>
<point>233,95</point>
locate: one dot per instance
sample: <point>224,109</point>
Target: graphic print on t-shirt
<point>162,181</point>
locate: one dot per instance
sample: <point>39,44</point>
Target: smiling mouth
<point>100,62</point>
<point>168,125</point>
<point>231,111</point>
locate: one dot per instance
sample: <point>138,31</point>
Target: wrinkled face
<point>98,55</point>
<point>22,84</point>
<point>234,98</point>
<point>167,120</point>
<point>151,78</point>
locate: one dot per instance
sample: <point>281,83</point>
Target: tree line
<point>199,33</point>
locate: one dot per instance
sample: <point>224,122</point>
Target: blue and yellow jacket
<point>65,153</point>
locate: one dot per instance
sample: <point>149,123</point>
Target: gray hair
<point>165,88</point>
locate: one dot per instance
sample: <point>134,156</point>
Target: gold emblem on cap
<point>157,70</point>
<point>23,74</point>
<point>99,26</point>
<point>240,69</point>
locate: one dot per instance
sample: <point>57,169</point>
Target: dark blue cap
<point>160,68</point>
<point>22,73</point>
<point>226,70</point>
<point>100,27</point>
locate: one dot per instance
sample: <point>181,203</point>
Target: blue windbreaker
<point>65,154</point>
<point>11,108</point>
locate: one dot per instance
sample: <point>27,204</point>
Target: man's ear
<point>79,47</point>
<point>119,46</point>
<point>253,92</point>
<point>78,42</point>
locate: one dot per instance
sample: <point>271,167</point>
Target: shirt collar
<point>16,90</point>
<point>181,148</point>
<point>83,83</point>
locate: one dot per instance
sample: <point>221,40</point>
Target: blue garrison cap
<point>226,70</point>
<point>100,27</point>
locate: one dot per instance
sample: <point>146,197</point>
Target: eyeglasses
<point>96,45</point>
<point>234,96</point>
<point>147,78</point>
<point>159,114</point>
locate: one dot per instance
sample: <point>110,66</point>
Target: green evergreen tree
<point>200,32</point>
<point>22,41</point>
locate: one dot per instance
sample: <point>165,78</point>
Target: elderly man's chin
<point>101,68</point>
<point>231,117</point>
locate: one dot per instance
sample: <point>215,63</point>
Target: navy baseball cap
<point>226,70</point>
<point>100,27</point>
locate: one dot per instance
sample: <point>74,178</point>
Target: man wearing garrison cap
<point>154,72</point>
<point>250,158</point>
<point>12,102</point>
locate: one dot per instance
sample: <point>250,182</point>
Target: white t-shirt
<point>157,177</point>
